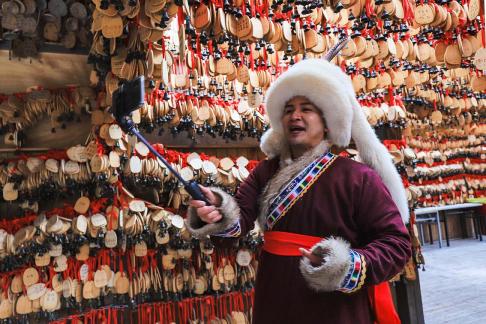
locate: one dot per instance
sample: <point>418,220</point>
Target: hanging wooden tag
<point>98,220</point>
<point>55,250</point>
<point>199,286</point>
<point>30,277</point>
<point>66,288</point>
<point>42,260</point>
<point>286,31</point>
<point>135,164</point>
<point>466,47</point>
<point>9,192</point>
<point>137,205</point>
<point>177,221</point>
<point>243,257</point>
<point>51,32</point>
<point>112,27</point>
<point>6,309</point>
<point>115,132</point>
<point>23,305</point>
<point>81,224</point>
<point>36,291</point>
<point>452,55</point>
<point>51,299</point>
<point>436,117</point>
<point>201,16</point>
<point>359,82</point>
<point>224,66</point>
<point>141,249</point>
<point>111,239</point>
<point>424,14</point>
<point>229,273</point>
<point>83,254</point>
<point>257,28</point>
<point>83,272</point>
<point>310,38</point>
<point>480,59</point>
<point>100,279</point>
<point>349,50</point>
<point>82,205</point>
<point>60,263</point>
<point>243,27</point>
<point>187,173</point>
<point>142,149</point>
<point>122,285</point>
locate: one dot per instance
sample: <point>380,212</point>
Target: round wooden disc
<point>177,221</point>
<point>453,55</point>
<point>100,279</point>
<point>36,291</point>
<point>135,164</point>
<point>111,239</point>
<point>141,249</point>
<point>82,205</point>
<point>229,273</point>
<point>30,277</point>
<point>142,149</point>
<point>137,205</point>
<point>23,305</point>
<point>9,192</point>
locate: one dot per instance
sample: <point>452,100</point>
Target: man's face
<point>302,123</point>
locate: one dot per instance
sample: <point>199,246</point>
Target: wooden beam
<point>50,48</point>
<point>50,70</point>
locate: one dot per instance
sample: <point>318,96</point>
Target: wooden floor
<point>454,283</point>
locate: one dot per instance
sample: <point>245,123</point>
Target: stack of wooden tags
<point>224,173</point>
<point>109,155</point>
<point>240,113</point>
<point>128,59</point>
<point>384,113</point>
<point>227,52</point>
<point>139,270</point>
<point>53,21</point>
<point>446,171</point>
<point>22,110</point>
<point>37,172</point>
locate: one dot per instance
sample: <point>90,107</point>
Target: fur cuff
<point>229,209</point>
<point>336,262</point>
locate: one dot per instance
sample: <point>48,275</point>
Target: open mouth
<point>294,130</point>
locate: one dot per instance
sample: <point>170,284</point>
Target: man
<point>333,230</point>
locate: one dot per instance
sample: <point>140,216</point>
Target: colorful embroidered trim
<point>356,273</point>
<point>232,231</point>
<point>295,189</point>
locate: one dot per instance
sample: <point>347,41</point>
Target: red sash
<point>288,244</point>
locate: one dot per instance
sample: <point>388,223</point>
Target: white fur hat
<point>331,90</point>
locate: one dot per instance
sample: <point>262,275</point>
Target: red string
<point>483,32</point>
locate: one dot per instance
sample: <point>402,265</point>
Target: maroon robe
<point>348,200</point>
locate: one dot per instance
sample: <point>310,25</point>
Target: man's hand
<point>208,214</point>
<point>316,260</point>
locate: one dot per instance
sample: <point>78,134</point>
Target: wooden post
<point>408,300</point>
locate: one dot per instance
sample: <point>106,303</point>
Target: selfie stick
<point>333,51</point>
<point>129,97</point>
